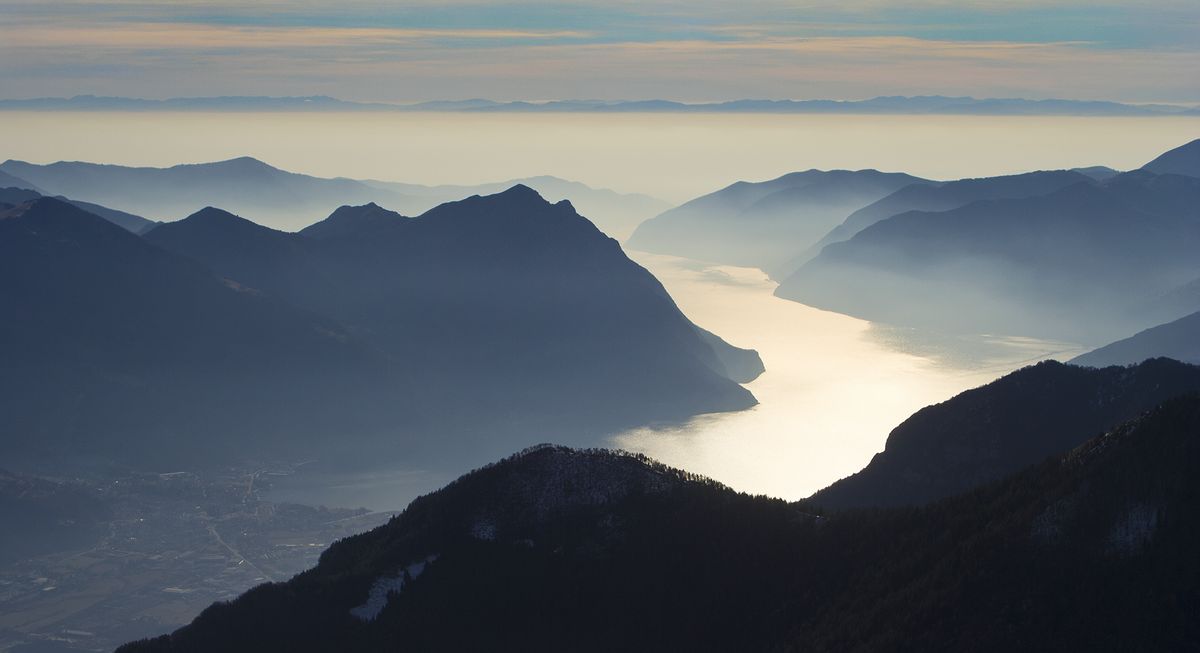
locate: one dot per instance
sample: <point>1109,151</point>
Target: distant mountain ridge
<point>764,224</point>
<point>920,105</point>
<point>290,201</point>
<point>1179,340</point>
<point>1075,264</point>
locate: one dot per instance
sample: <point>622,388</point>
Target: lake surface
<point>834,388</point>
<point>672,156</point>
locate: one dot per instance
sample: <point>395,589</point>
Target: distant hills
<point>287,200</point>
<point>945,196</point>
<point>10,197</point>
<point>557,549</point>
<point>480,321</point>
<point>919,105</point>
<point>986,433</point>
<point>1179,339</point>
<point>1074,264</point>
<point>765,224</point>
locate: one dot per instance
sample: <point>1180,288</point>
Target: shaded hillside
<point>519,304</point>
<point>765,224</point>
<point>9,181</point>
<point>1076,264</point>
<point>137,224</point>
<point>1179,340</point>
<point>994,430</point>
<point>562,550</point>
<point>1183,160</point>
<point>117,347</point>
<point>943,197</point>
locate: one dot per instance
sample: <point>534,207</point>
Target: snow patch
<point>384,586</point>
<point>1134,529</point>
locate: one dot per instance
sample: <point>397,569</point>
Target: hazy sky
<point>694,50</point>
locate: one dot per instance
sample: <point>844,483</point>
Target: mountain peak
<point>1183,160</point>
<point>348,219</point>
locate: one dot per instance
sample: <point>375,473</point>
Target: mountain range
<point>920,105</point>
<point>1075,264</point>
<point>557,549</point>
<point>480,321</point>
<point>765,224</point>
<point>287,200</point>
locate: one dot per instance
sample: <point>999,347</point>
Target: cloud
<point>699,50</point>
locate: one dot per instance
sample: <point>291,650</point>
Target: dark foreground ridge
<point>983,434</point>
<point>562,550</point>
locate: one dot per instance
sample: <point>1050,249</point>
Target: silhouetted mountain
<point>1076,264</point>
<point>616,214</point>
<point>119,348</point>
<point>520,304</point>
<point>992,431</point>
<point>1183,160</point>
<point>1098,173</point>
<point>137,224</point>
<point>289,201</point>
<point>943,197</point>
<point>562,550</point>
<point>1179,340</point>
<point>245,185</point>
<point>919,105</point>
<point>765,224</point>
<point>9,181</point>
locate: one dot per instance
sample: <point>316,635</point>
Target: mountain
<point>1075,264</point>
<point>289,201</point>
<point>119,348</point>
<point>1183,160</point>
<point>1179,340</point>
<point>247,185</point>
<point>943,197</point>
<point>10,197</point>
<point>9,181</point>
<point>479,322</point>
<point>616,214</point>
<point>984,434</point>
<point>561,550</point>
<point>765,224</point>
<point>520,304</point>
<point>919,105</point>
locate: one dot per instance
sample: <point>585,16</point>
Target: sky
<point>694,51</point>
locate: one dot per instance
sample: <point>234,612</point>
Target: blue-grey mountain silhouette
<point>1179,340</point>
<point>289,201</point>
<point>765,224</point>
<point>1075,264</point>
<point>943,197</point>
<point>1183,160</point>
